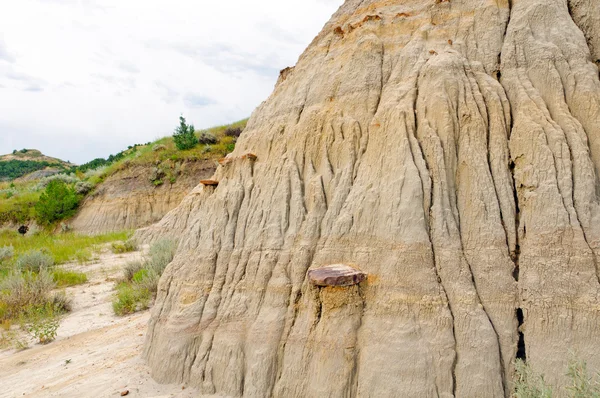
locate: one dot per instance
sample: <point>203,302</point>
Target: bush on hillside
<point>184,136</point>
<point>233,132</point>
<point>58,202</point>
<point>207,138</point>
<point>83,187</point>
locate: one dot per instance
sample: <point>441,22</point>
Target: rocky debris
<point>466,184</point>
<point>124,393</point>
<point>336,275</point>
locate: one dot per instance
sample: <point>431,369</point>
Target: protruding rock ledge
<point>209,183</point>
<point>336,275</point>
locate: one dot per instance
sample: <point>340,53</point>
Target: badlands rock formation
<point>450,149</point>
<point>129,200</point>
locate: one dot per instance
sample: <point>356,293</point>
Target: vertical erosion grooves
<point>554,147</point>
<point>388,148</point>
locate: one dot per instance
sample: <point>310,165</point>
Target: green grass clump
<point>66,278</point>
<point>127,246</point>
<point>141,278</point>
<point>130,298</point>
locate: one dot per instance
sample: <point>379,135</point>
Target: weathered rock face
<point>129,200</point>
<point>451,150</point>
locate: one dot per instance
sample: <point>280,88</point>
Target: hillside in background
<point>25,161</point>
<point>132,188</point>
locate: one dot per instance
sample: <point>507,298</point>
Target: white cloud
<point>81,79</point>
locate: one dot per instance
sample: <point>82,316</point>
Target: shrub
<point>582,385</point>
<point>233,132</point>
<point>83,187</point>
<point>59,201</point>
<point>161,253</point>
<point>22,292</point>
<point>34,261</point>
<point>6,253</point>
<point>184,136</point>
<point>129,245</point>
<point>66,178</point>
<point>207,138</point>
<point>131,268</point>
<point>60,302</point>
<point>528,384</point>
<point>130,298</point>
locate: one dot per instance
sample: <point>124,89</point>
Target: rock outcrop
<point>129,200</point>
<point>449,149</point>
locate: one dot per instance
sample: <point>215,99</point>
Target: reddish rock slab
<point>336,275</point>
<point>250,156</point>
<point>210,183</point>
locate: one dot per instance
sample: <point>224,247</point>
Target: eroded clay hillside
<point>129,198</point>
<point>449,149</point>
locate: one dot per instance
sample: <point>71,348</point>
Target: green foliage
<point>22,293</point>
<point>130,298</point>
<point>127,246</point>
<point>161,253</point>
<point>141,278</point>
<point>14,168</point>
<point>59,201</point>
<point>184,136</point>
<point>582,385</point>
<point>64,247</point>
<point>43,329</point>
<point>66,278</point>
<point>131,268</point>
<point>528,384</point>
<point>34,261</point>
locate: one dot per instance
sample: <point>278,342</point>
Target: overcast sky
<point>81,79</point>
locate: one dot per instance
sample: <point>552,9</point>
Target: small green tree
<point>184,136</point>
<point>58,201</point>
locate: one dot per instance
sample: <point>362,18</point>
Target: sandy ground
<point>95,354</point>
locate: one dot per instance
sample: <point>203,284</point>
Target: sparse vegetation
<point>141,278</point>
<point>528,384</point>
<point>43,329</point>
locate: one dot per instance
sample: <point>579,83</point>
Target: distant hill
<point>25,161</point>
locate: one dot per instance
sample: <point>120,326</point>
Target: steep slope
<point>128,199</point>
<point>451,150</point>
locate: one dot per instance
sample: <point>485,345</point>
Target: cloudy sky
<point>81,79</point>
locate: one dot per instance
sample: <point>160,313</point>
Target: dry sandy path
<point>96,354</point>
